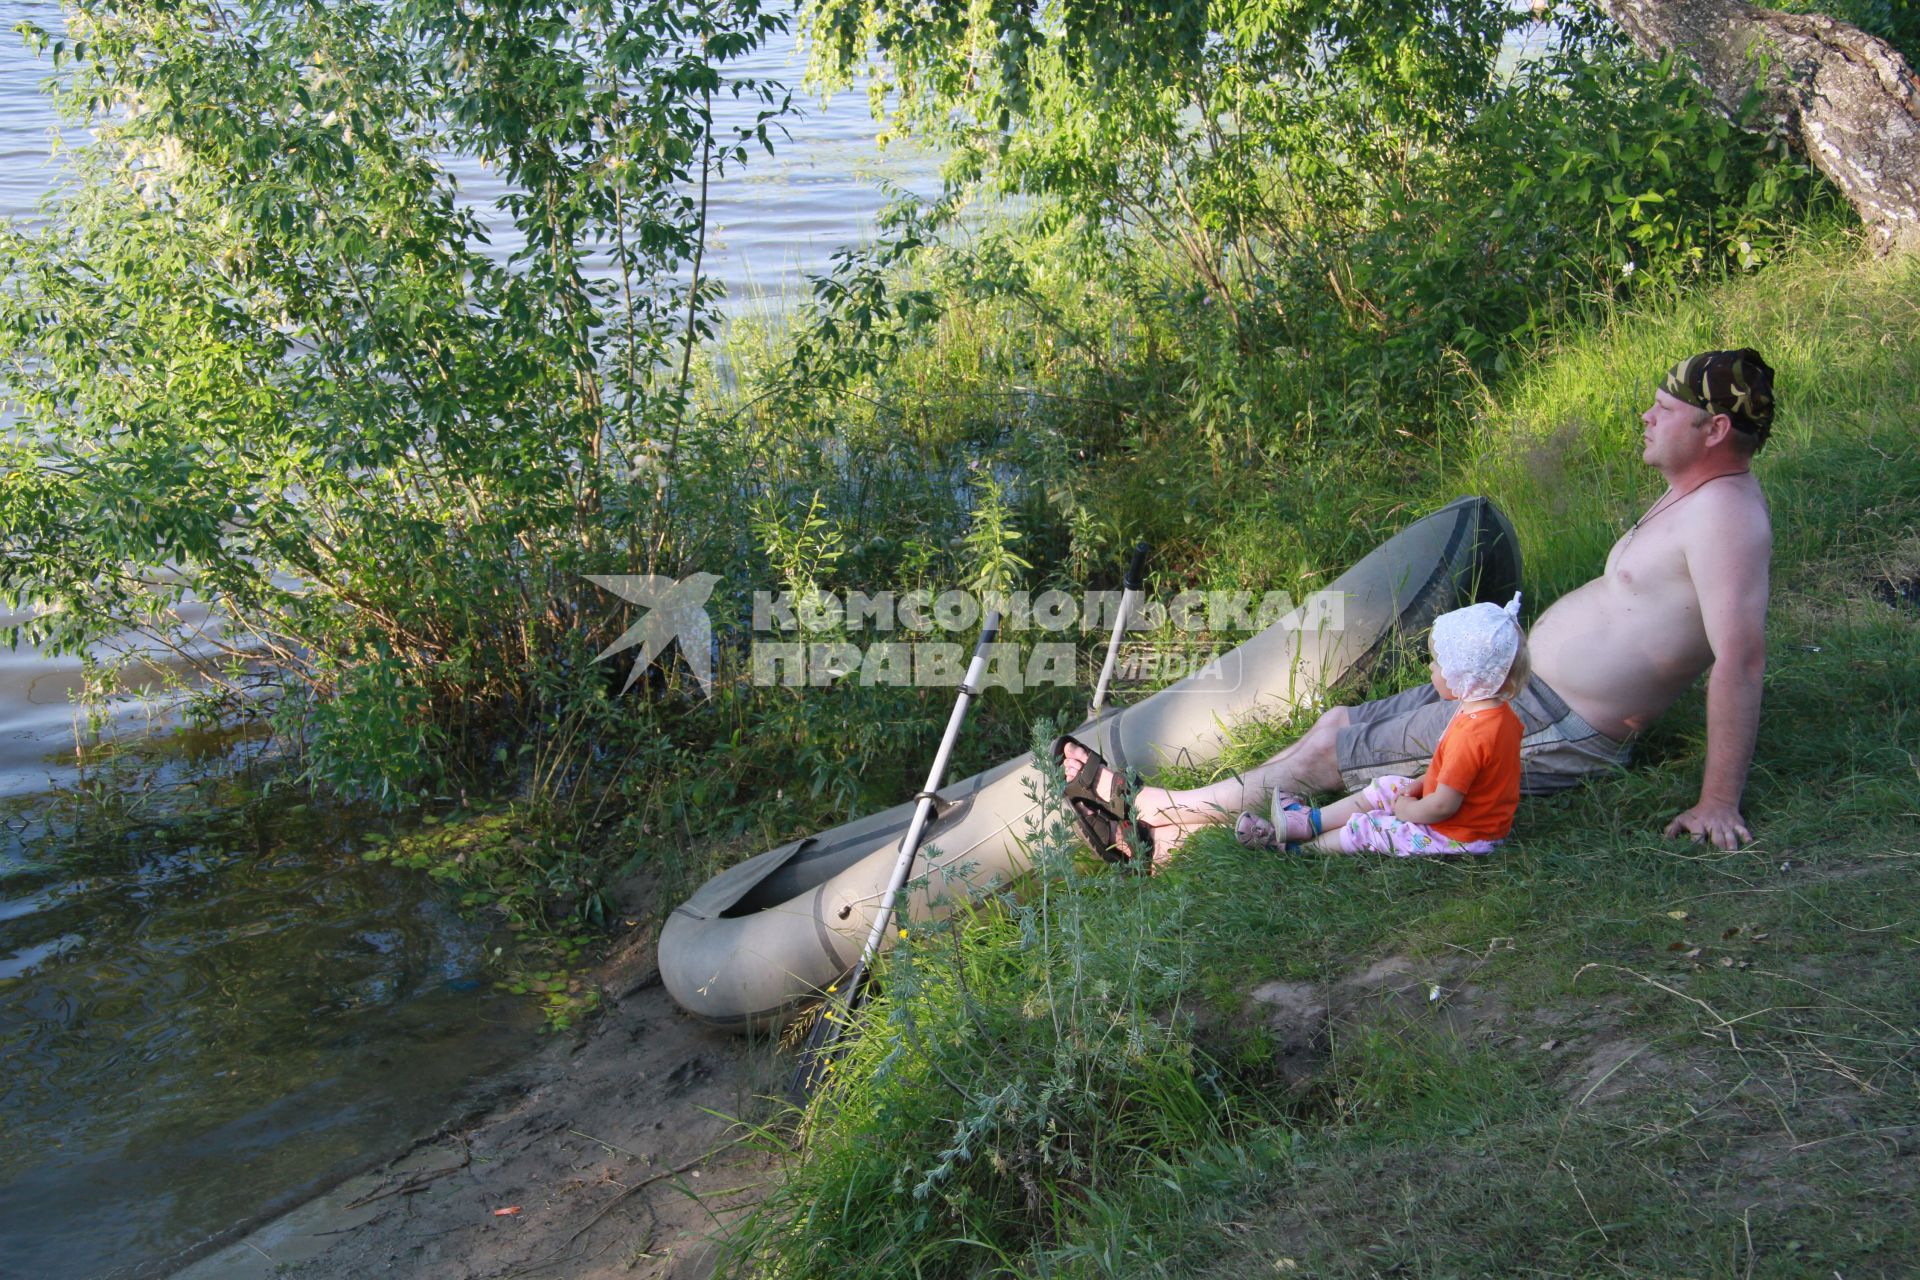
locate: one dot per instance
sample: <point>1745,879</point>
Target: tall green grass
<point>1026,1062</point>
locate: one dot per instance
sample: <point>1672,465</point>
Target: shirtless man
<point>1684,591</point>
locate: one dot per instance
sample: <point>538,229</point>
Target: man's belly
<point>1618,659</point>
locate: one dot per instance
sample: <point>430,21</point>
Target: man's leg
<point>1310,764</point>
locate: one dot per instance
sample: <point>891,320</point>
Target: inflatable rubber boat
<point>761,939</point>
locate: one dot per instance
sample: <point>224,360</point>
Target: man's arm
<point>1728,550</point>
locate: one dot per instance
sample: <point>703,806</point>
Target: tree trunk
<point>1849,100</point>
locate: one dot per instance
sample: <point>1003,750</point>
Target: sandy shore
<point>609,1154</point>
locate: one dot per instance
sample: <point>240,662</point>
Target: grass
<point>1767,996</point>
<point>1649,1058</point>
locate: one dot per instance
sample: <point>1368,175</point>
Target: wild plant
<point>1366,209</point>
<point>263,358</point>
<point>1025,1056</point>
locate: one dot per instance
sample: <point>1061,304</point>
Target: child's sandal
<point>1284,805</point>
<point>1254,831</point>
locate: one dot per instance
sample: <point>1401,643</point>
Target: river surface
<point>209,1004</point>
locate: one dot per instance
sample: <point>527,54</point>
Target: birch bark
<point>1848,99</point>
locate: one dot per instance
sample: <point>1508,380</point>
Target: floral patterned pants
<point>1376,830</point>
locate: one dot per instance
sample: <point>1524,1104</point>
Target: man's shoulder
<point>1733,512</point>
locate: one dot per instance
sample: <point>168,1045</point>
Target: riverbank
<point>612,1152</point>
<point>1601,1051</point>
<point>1597,1050</point>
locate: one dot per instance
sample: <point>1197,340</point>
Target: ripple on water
<point>198,1026</point>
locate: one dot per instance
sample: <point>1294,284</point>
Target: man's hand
<point>1720,823</point>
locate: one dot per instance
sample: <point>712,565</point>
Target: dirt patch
<point>1611,1068</point>
<point>611,1157</point>
<point>1897,592</point>
<point>1300,1019</point>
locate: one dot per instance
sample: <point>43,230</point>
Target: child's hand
<point>1437,806</point>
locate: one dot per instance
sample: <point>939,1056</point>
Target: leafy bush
<point>1019,1068</point>
<point>1369,201</point>
<point>266,364</point>
<point>1592,173</point>
<point>266,367</point>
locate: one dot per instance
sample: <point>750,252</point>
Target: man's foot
<point>1097,796</point>
<point>1165,821</point>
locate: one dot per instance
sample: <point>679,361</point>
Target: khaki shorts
<point>1398,734</point>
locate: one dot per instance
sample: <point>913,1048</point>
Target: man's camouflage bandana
<point>1736,383</point>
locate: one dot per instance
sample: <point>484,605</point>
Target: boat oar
<point>846,996</point>
<point>1135,579</point>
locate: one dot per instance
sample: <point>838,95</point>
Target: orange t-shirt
<point>1479,756</point>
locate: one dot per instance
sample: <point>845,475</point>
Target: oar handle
<point>923,812</point>
<point>1135,579</point>
<point>817,1054</point>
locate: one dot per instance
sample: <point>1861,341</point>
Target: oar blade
<point>822,1046</point>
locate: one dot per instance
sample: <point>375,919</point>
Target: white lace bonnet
<point>1475,647</point>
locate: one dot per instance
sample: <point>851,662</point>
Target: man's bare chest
<point>1647,562</point>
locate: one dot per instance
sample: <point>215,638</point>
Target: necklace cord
<point>1676,499</point>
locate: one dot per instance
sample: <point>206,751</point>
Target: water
<point>209,1004</point>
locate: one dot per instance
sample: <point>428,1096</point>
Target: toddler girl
<point>1464,802</point>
